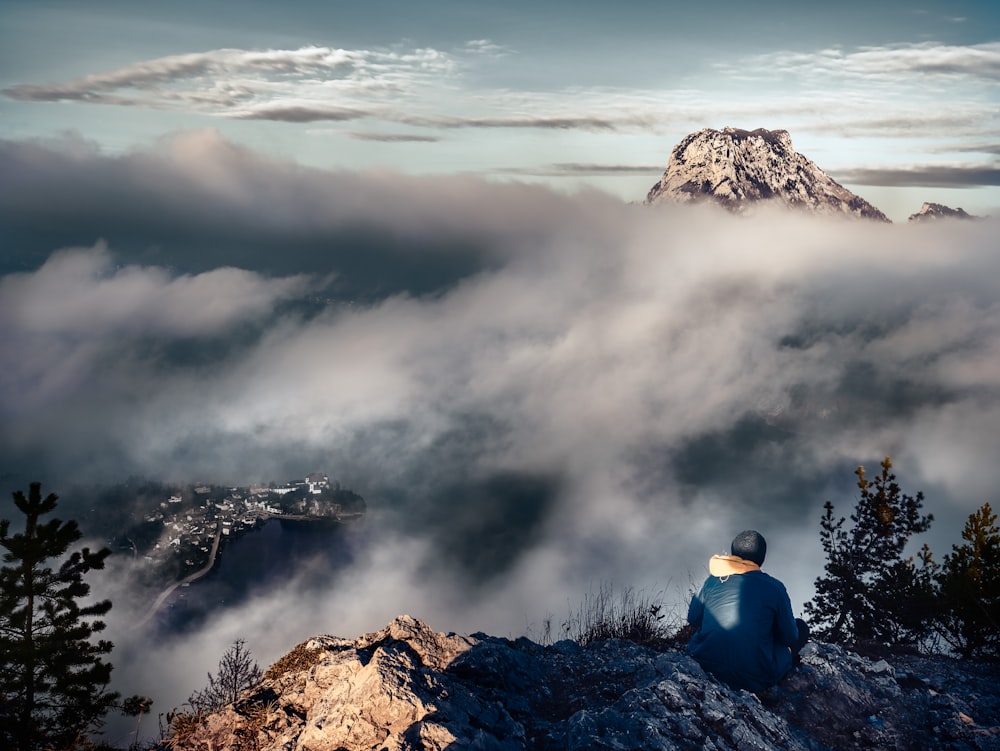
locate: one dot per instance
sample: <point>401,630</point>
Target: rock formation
<point>738,168</point>
<point>933,211</point>
<point>406,687</point>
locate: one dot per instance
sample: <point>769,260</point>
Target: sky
<point>404,246</point>
<point>897,101</point>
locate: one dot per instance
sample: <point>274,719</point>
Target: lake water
<point>259,561</point>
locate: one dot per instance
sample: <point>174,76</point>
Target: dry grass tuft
<point>633,615</point>
<point>300,658</point>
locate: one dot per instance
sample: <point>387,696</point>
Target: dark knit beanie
<point>750,546</point>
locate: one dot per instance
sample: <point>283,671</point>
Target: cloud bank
<point>534,392</point>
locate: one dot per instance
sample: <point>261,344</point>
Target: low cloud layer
<point>198,201</point>
<point>545,392</point>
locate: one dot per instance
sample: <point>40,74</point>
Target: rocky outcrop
<point>934,211</point>
<point>738,168</point>
<point>406,687</point>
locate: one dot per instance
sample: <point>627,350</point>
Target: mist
<point>535,392</point>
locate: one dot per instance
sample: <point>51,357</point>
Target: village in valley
<point>180,539</point>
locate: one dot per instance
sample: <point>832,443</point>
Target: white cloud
<point>979,62</point>
<point>81,292</point>
<point>232,82</point>
<point>662,378</point>
<point>892,91</point>
<point>878,90</point>
<point>79,308</point>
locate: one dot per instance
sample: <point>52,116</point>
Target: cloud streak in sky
<point>433,89</point>
<point>915,123</point>
<point>573,169</point>
<point>394,137</point>
<point>979,62</point>
<point>936,175</point>
<point>229,77</point>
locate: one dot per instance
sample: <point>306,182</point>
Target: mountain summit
<point>737,167</point>
<point>933,211</point>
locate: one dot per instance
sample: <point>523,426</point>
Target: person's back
<point>746,630</point>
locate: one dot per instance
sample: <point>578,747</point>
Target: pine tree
<point>238,671</point>
<point>869,591</point>
<point>52,676</point>
<point>969,581</point>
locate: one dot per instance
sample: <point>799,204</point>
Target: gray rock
<point>933,211</point>
<point>406,687</point>
<point>739,168</point>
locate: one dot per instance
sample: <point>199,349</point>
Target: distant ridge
<point>934,211</point>
<point>738,168</point>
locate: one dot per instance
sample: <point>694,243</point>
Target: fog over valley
<point>534,391</point>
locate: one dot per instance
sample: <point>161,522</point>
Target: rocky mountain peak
<point>407,687</point>
<point>931,211</point>
<point>738,168</point>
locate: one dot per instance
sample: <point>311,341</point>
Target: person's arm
<point>785,626</point>
<point>696,610</point>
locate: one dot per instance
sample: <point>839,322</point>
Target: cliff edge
<point>407,687</point>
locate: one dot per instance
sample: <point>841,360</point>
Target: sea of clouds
<point>534,392</point>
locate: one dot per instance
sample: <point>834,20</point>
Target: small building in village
<point>317,482</point>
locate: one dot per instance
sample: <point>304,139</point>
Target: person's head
<point>750,546</point>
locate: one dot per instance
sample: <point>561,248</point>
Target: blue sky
<point>898,101</point>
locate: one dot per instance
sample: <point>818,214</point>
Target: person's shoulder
<point>770,581</point>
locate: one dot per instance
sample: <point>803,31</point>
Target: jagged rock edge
<point>408,687</point>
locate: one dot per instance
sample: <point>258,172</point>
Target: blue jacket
<point>745,624</point>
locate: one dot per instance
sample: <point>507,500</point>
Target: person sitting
<point>746,632</point>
